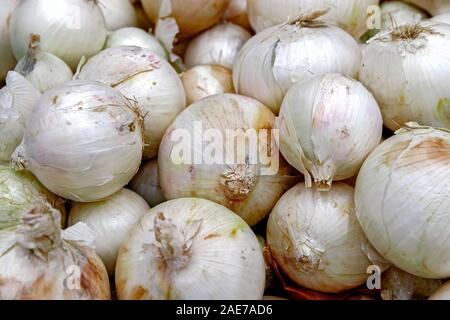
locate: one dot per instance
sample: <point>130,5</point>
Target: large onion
<point>402,201</point>
<point>7,60</point>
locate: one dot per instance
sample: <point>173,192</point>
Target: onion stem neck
<point>309,19</point>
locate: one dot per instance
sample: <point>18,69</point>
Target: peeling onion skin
<point>206,80</point>
<point>83,141</point>
<point>442,293</point>
<point>316,239</point>
<point>141,75</point>
<point>192,16</point>
<point>407,76</point>
<point>146,183</point>
<point>328,126</point>
<point>275,59</point>
<point>218,45</point>
<point>221,259</point>
<point>239,187</point>
<point>70,29</point>
<point>402,201</point>
<point>350,15</point>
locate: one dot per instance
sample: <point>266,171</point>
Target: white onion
<point>328,126</point>
<point>138,38</point>
<point>237,13</point>
<point>18,191</point>
<point>7,60</point>
<point>118,14</point>
<point>350,15</point>
<point>139,74</point>
<point>407,70</point>
<point>192,16</point>
<point>146,183</point>
<point>190,249</point>
<point>273,60</point>
<point>218,45</point>
<point>39,262</point>
<point>83,141</point>
<point>434,7</point>
<point>206,80</point>
<point>17,99</point>
<point>69,29</point>
<point>111,220</point>
<point>317,241</point>
<point>442,293</point>
<point>228,179</point>
<point>402,201</point>
<point>44,70</point>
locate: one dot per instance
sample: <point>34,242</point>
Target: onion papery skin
<point>275,59</point>
<point>70,29</point>
<point>83,141</point>
<point>238,186</point>
<point>402,201</point>
<point>328,126</point>
<point>221,259</point>
<point>144,77</point>
<point>316,239</point>
<point>406,76</point>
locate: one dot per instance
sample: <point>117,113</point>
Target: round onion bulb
<point>406,71</point>
<point>273,60</point>
<point>328,126</point>
<point>7,60</point>
<point>218,45</point>
<point>138,38</point>
<point>188,249</point>
<point>18,191</point>
<point>350,15</point>
<point>206,80</point>
<point>442,293</point>
<point>402,201</point>
<point>111,220</point>
<point>192,16</point>
<point>83,141</point>
<point>44,70</point>
<point>140,75</point>
<point>118,14</point>
<point>442,18</point>
<point>69,29</point>
<point>237,13</point>
<point>146,183</point>
<point>397,284</point>
<point>435,7</point>
<point>222,148</point>
<point>317,241</point>
<point>39,262</point>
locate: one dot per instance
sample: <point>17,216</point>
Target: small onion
<point>273,60</point>
<point>38,262</point>
<point>328,126</point>
<point>111,220</point>
<point>442,293</point>
<point>138,38</point>
<point>146,183</point>
<point>17,99</point>
<point>402,201</point>
<point>397,284</point>
<point>18,191</point>
<point>7,60</point>
<point>434,7</point>
<point>317,241</point>
<point>190,249</point>
<point>44,70</point>
<point>206,80</point>
<point>83,141</point>
<point>407,69</point>
<point>192,16</point>
<point>239,185</point>
<point>218,45</point>
<point>350,15</point>
<point>237,13</point>
<point>140,75</point>
<point>69,29</point>
<point>118,14</point>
